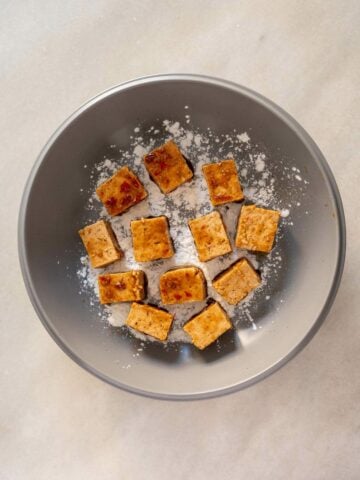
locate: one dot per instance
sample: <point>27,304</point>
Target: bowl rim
<point>291,123</point>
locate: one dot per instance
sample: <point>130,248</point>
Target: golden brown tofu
<point>150,320</point>
<point>151,239</point>
<point>180,285</point>
<point>100,243</point>
<point>121,287</point>
<point>167,167</point>
<point>236,282</point>
<point>257,228</point>
<point>121,191</point>
<point>208,325</point>
<point>210,236</point>
<point>223,182</point>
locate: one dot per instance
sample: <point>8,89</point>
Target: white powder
<point>187,141</point>
<point>259,163</point>
<point>139,152</point>
<point>174,129</point>
<point>190,200</point>
<point>243,137</point>
<point>197,140</point>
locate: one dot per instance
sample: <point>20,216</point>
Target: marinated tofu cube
<point>181,285</point>
<point>210,236</point>
<point>167,167</point>
<point>235,283</point>
<point>150,320</point>
<point>121,287</point>
<point>208,326</point>
<point>223,182</point>
<point>257,228</point>
<point>151,239</point>
<point>121,191</point>
<point>100,243</point>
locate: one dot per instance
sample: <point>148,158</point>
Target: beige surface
<point>57,421</point>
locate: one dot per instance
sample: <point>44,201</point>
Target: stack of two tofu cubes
<point>151,241</point>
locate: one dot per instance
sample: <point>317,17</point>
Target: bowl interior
<point>52,213</point>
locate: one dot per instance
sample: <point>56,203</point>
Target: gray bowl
<point>49,247</point>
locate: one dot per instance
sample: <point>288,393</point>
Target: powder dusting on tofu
<point>258,177</point>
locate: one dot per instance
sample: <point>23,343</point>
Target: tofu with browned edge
<point>236,282</point>
<point>223,182</point>
<point>121,191</point>
<point>151,239</point>
<point>121,287</point>
<point>210,236</point>
<point>257,228</point>
<point>150,320</point>
<point>101,244</point>
<point>208,325</point>
<point>167,167</point>
<point>181,285</point>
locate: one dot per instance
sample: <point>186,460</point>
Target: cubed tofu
<point>100,243</point>
<point>167,167</point>
<point>236,282</point>
<point>223,182</point>
<point>121,191</point>
<point>151,239</point>
<point>181,285</point>
<point>257,228</point>
<point>121,287</point>
<point>210,236</point>
<point>208,326</point>
<point>150,320</point>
